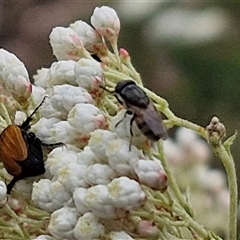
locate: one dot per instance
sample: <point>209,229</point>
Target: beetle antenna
<point>39,105</point>
<point>25,124</point>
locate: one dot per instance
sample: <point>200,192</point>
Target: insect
<point>137,103</point>
<point>21,151</point>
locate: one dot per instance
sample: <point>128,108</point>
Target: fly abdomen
<point>146,130</point>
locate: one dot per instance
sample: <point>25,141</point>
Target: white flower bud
<point>97,199</point>
<point>16,79</point>
<point>53,130</point>
<point>119,235</point>
<point>89,74</point>
<point>72,176</point>
<point>7,58</point>
<point>60,157</point>
<point>126,193</point>
<point>20,117</point>
<point>106,22</point>
<point>66,44</point>
<point>90,38</point>
<point>98,143</point>
<point>99,174</point>
<point>62,72</point>
<point>3,193</point>
<point>151,173</point>
<point>86,157</point>
<point>42,78</point>
<point>38,94</point>
<point>85,118</point>
<point>42,129</point>
<point>63,132</point>
<point>88,227</point>
<point>47,110</point>
<point>62,223</point>
<point>65,97</point>
<point>15,205</point>
<point>79,200</point>
<point>121,158</point>
<point>49,195</point>
<point>147,229</point>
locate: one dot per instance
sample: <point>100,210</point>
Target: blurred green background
<point>186,51</point>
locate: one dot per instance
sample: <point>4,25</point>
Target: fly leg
<point>125,114</point>
<point>131,132</point>
<point>131,123</point>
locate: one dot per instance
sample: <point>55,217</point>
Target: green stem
<point>172,181</point>
<point>162,105</point>
<point>133,71</point>
<point>114,45</point>
<point>188,212</point>
<point>114,76</point>
<point>199,229</point>
<point>12,214</point>
<point>36,213</point>
<point>5,114</point>
<point>229,165</point>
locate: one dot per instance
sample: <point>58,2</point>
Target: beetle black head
<point>122,84</point>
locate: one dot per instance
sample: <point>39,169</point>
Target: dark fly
<point>137,103</point>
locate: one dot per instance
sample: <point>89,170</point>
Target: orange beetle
<point>21,151</point>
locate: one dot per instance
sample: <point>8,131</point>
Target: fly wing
<point>154,121</point>
<point>12,144</point>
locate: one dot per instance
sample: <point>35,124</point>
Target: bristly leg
<point>131,132</point>
<point>125,114</point>
<point>12,183</point>
<point>52,144</point>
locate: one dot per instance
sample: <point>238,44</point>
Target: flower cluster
<point>95,177</point>
<point>108,180</point>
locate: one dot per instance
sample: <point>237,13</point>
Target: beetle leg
<point>131,132</point>
<point>52,144</point>
<point>12,183</point>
